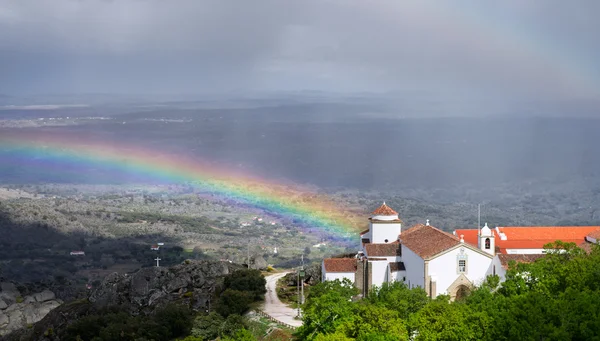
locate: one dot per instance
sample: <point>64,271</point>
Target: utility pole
<point>248,255</point>
<point>479,216</point>
<point>157,259</point>
<point>302,281</point>
<point>298,288</point>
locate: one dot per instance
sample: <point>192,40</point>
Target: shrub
<point>249,280</point>
<point>234,302</point>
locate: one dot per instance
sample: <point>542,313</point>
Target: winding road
<point>274,307</point>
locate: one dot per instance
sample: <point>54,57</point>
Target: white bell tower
<point>486,240</point>
<point>385,225</point>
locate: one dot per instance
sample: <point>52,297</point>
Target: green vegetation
<point>240,289</point>
<point>555,298</point>
<point>116,324</point>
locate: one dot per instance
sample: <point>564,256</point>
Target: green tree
<point>249,280</point>
<point>328,305</point>
<point>234,302</point>
<point>207,326</point>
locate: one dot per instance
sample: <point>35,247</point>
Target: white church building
<point>427,257</point>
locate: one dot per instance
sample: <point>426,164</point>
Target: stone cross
<point>157,259</point>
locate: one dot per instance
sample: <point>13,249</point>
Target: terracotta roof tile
<point>384,210</point>
<point>384,250</point>
<point>363,232</point>
<point>427,241</point>
<point>340,264</point>
<point>533,237</point>
<point>397,266</point>
<point>519,258</point>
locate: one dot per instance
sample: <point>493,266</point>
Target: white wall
<point>500,271</point>
<point>445,267</point>
<point>415,268</point>
<point>381,232</point>
<point>332,276</point>
<point>379,272</point>
<point>397,276</point>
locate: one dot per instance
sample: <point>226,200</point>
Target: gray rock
<point>9,293</point>
<point>3,305</point>
<point>33,308</point>
<point>259,263</point>
<point>16,320</point>
<point>193,282</point>
<point>44,296</point>
<point>3,321</point>
<point>7,287</point>
<point>155,285</point>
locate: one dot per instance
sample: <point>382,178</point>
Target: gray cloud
<point>467,48</point>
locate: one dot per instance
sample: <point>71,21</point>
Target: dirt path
<point>274,307</point>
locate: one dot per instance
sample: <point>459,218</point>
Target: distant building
<point>440,262</point>
<point>161,244</point>
<point>77,253</point>
<point>155,247</point>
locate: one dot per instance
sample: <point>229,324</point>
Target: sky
<point>510,48</point>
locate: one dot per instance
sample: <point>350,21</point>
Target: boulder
<point>32,309</point>
<point>3,321</point>
<point>44,296</point>
<point>260,263</point>
<point>9,293</point>
<point>3,305</point>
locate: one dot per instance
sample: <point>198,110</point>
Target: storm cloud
<point>467,48</point>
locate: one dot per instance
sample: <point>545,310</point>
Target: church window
<point>487,243</point>
<point>386,240</point>
<point>461,262</point>
<point>462,265</point>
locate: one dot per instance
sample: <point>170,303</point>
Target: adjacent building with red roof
<point>530,239</point>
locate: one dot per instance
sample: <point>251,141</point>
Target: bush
<point>234,302</point>
<point>249,280</point>
<point>208,326</point>
<point>114,324</point>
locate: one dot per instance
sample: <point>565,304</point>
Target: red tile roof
<point>363,232</point>
<point>427,241</point>
<point>340,264</point>
<point>397,266</point>
<point>519,258</point>
<point>384,210</point>
<point>383,250</point>
<point>532,237</point>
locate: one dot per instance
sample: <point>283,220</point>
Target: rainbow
<point>72,153</point>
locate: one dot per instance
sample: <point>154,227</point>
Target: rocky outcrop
<point>151,286</point>
<point>258,262</point>
<point>312,275</point>
<point>18,311</point>
<point>193,282</point>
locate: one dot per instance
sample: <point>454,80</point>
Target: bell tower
<point>486,240</point>
<point>385,225</point>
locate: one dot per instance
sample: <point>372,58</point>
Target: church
<point>440,262</point>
